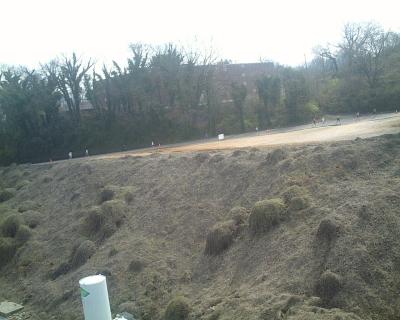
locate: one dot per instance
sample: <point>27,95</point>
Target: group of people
<point>86,154</point>
<point>316,120</point>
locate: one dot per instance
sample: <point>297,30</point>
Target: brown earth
<point>144,222</point>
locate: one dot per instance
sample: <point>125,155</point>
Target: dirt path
<point>364,128</point>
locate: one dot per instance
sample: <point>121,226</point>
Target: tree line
<point>169,94</point>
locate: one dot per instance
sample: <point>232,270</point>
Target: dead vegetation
<point>6,194</point>
<point>177,309</point>
<point>102,222</point>
<point>220,237</point>
<point>327,230</point>
<point>328,286</point>
<point>82,253</point>
<point>194,226</point>
<point>265,215</point>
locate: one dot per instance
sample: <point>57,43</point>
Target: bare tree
<point>69,74</point>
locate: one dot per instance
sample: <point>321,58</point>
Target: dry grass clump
<point>327,230</point>
<point>107,194</point>
<point>293,192</point>
<point>276,156</point>
<point>177,309</point>
<point>136,265</point>
<point>10,226</point>
<point>46,179</point>
<point>94,221</point>
<point>299,203</point>
<point>6,194</point>
<point>8,248</point>
<point>82,253</point>
<point>28,205</point>
<point>328,286</point>
<point>220,237</point>
<point>114,209</point>
<point>23,234</point>
<point>128,194</point>
<point>265,215</point>
<point>102,222</point>
<point>239,215</point>
<point>296,198</point>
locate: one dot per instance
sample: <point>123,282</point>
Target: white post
<point>96,305</point>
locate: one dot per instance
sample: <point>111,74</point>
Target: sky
<point>284,31</point>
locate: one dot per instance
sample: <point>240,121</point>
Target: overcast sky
<point>34,31</point>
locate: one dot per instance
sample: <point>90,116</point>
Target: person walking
<point>338,121</point>
<point>70,155</point>
<point>86,153</point>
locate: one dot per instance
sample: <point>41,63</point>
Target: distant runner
<point>338,121</point>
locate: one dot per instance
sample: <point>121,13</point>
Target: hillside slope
<point>325,246</point>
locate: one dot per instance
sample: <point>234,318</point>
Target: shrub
<point>328,286</point>
<point>266,214</point>
<point>46,179</point>
<point>94,221</point>
<point>220,237</point>
<point>294,192</point>
<point>296,198</point>
<point>299,203</point>
<point>106,194</point>
<point>238,214</point>
<point>10,226</point>
<point>102,222</point>
<point>327,230</point>
<point>177,309</point>
<point>136,265</point>
<point>83,253</point>
<point>23,234</point>
<point>276,155</point>
<point>6,194</point>
<point>7,250</point>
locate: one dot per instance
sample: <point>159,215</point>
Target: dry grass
<point>220,237</point>
<point>102,222</point>
<point>173,201</point>
<point>6,194</point>
<point>23,234</point>
<point>328,286</point>
<point>265,215</point>
<point>83,253</point>
<point>239,215</point>
<point>10,226</point>
<point>177,309</point>
<point>8,248</point>
<point>107,194</point>
<point>327,230</point>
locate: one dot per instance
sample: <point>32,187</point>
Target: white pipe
<point>96,305</point>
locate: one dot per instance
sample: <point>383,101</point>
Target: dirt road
<point>363,128</point>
